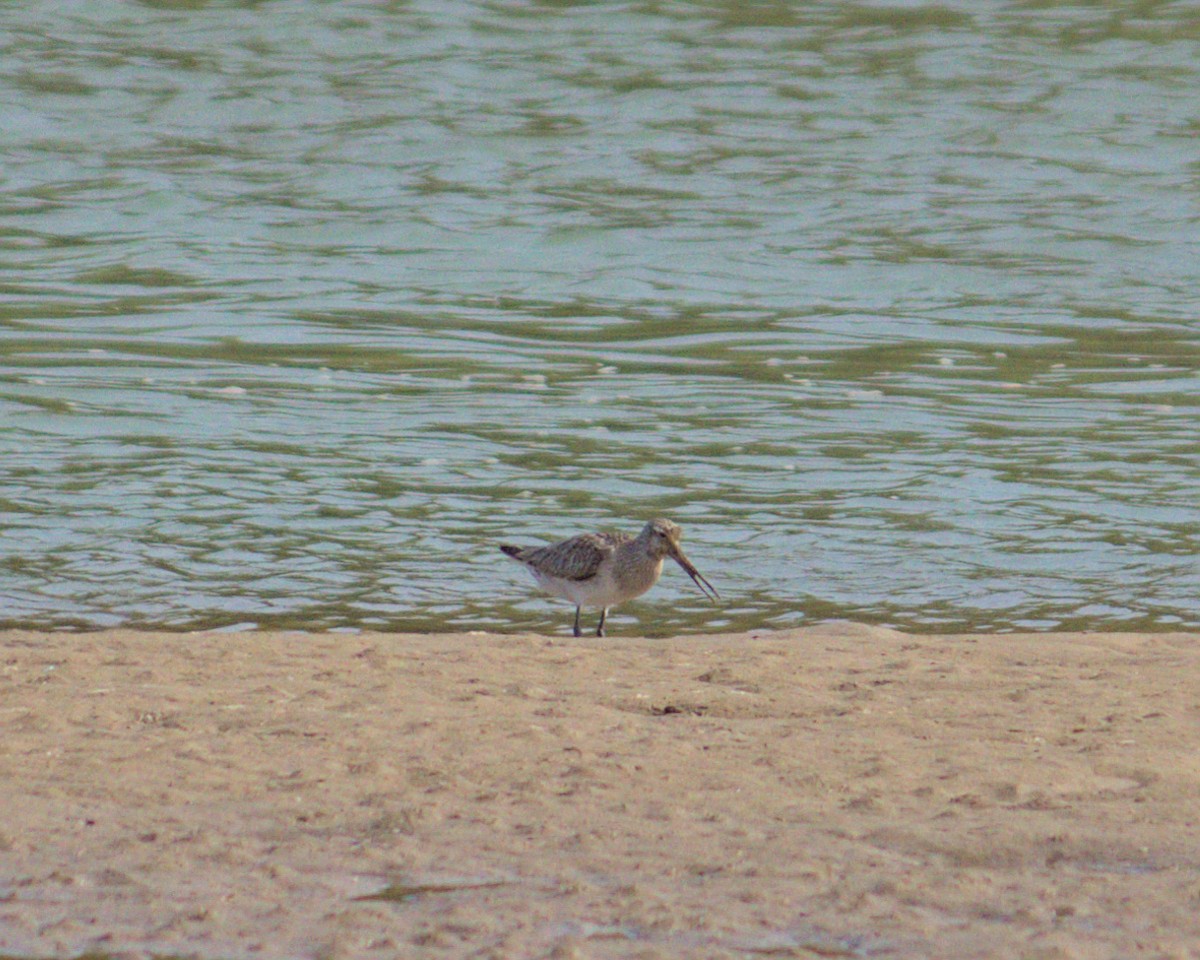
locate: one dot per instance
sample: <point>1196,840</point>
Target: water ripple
<point>300,314</point>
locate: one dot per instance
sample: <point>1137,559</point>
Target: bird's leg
<point>578,632</point>
<point>600,626</point>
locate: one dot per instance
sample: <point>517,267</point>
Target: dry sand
<point>837,791</point>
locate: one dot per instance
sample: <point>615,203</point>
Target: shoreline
<point>838,789</point>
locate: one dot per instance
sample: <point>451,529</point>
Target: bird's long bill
<point>706,588</point>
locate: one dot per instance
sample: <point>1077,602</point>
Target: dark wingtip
<point>509,549</point>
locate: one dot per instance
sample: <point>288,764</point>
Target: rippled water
<point>305,305</point>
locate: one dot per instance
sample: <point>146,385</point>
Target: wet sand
<point>837,791</point>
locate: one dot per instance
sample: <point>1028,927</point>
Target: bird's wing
<point>576,559</point>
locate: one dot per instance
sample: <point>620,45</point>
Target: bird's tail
<point>514,552</point>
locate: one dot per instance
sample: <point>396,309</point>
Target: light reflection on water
<point>885,306</point>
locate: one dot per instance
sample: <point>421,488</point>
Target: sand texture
<point>836,791</point>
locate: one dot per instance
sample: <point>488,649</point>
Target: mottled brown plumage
<point>575,559</point>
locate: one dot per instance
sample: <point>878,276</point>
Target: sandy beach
<point>835,791</point>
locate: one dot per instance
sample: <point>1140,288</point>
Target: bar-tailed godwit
<point>604,569</point>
